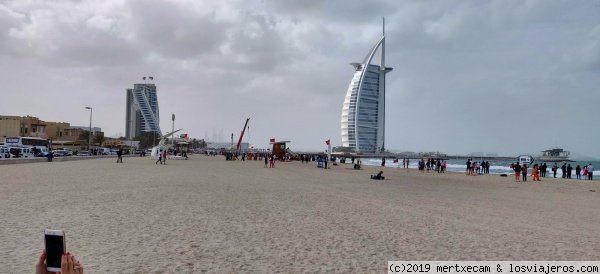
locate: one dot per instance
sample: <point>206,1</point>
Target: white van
<point>24,152</point>
<point>5,152</point>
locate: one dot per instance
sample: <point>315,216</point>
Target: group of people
<point>162,157</point>
<point>522,170</point>
<point>474,168</point>
<point>432,164</point>
<point>271,160</point>
<point>567,170</point>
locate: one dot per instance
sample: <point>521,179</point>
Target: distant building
<point>491,154</point>
<point>476,154</point>
<point>227,146</point>
<point>141,110</point>
<point>28,126</point>
<point>363,111</point>
<point>10,126</point>
<point>87,128</point>
<point>56,130</point>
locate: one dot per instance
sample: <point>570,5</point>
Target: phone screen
<point>54,250</point>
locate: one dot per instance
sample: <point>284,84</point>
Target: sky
<point>506,77</point>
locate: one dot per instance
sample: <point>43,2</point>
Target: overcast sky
<point>508,77</point>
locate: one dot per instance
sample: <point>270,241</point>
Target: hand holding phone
<point>55,248</point>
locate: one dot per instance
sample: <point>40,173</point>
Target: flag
<point>272,140</point>
<point>328,150</point>
<point>144,78</point>
<point>151,78</point>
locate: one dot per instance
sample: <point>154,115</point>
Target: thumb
<point>42,258</point>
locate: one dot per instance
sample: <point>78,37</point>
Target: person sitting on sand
<point>68,264</point>
<point>379,176</point>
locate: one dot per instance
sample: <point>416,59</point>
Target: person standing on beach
<point>590,172</point>
<point>120,155</point>
<point>468,166</point>
<point>554,169</point>
<point>569,170</point>
<point>266,159</point>
<point>517,170</point>
<point>543,169</point>
<point>271,162</point>
<point>164,157</point>
<point>382,161</point>
<point>535,173</point>
<point>159,157</point>
<point>578,172</point>
<point>444,167</point>
<point>563,168</point>
<point>524,171</point>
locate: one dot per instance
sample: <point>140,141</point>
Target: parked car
<point>64,151</point>
<point>61,153</point>
<point>83,153</point>
<point>42,152</point>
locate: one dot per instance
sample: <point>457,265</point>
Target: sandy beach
<point>206,215</point>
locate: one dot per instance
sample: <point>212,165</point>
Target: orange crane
<point>239,143</point>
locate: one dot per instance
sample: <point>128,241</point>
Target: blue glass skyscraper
<point>142,112</point>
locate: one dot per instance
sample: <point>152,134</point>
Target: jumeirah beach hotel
<point>363,112</point>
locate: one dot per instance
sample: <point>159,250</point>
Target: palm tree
<point>84,136</point>
<point>99,139</point>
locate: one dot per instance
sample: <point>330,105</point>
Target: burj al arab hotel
<point>363,112</point>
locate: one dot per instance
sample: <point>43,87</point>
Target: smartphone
<point>55,248</point>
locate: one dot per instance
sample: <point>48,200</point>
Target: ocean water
<point>496,167</point>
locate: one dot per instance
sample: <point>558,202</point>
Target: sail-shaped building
<point>363,112</point>
<point>142,111</point>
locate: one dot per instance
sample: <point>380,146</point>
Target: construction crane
<point>239,143</point>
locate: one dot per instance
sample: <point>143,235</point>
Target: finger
<point>80,270</point>
<point>42,258</point>
<point>69,262</point>
<point>64,267</point>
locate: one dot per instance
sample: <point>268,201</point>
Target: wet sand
<point>209,215</point>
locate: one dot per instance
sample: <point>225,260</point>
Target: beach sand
<point>209,215</point>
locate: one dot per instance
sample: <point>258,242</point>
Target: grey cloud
<point>463,71</point>
<point>174,31</point>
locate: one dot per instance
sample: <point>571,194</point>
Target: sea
<point>496,167</point>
